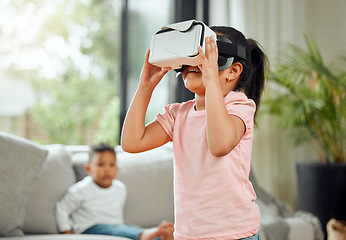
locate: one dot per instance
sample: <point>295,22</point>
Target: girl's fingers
<point>210,47</point>
<point>211,51</point>
<point>147,55</point>
<point>201,53</point>
<point>207,47</point>
<point>163,72</point>
<point>213,44</point>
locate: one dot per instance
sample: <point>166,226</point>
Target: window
<point>66,52</point>
<point>144,18</point>
<point>63,77</point>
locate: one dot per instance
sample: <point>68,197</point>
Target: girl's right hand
<point>151,75</point>
<point>136,135</point>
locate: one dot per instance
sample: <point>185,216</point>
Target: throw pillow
<point>20,162</point>
<point>80,159</point>
<point>54,179</point>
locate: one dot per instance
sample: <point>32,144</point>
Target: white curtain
<point>271,22</point>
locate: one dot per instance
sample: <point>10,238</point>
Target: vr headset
<point>176,45</point>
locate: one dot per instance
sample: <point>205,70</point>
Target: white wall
<point>326,20</point>
<point>274,23</point>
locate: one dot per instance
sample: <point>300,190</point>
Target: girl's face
<point>102,168</point>
<point>193,80</point>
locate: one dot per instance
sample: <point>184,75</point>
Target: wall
<point>326,20</point>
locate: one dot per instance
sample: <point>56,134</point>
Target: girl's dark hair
<point>100,147</point>
<point>255,69</point>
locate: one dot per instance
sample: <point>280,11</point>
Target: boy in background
<point>95,204</point>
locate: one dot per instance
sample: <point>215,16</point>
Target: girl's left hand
<point>209,67</point>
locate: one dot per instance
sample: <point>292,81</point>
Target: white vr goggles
<point>177,44</point>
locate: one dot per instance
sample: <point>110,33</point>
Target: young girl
<point>212,138</point>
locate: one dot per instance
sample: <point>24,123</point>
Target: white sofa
<point>38,175</point>
<point>33,177</point>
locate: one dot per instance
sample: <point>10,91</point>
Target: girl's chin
<point>195,80</point>
<point>197,89</point>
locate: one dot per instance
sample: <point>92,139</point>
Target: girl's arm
<point>224,131</point>
<point>136,136</point>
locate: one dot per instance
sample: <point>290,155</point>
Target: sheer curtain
<point>272,23</point>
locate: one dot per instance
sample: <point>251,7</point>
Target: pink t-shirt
<point>214,198</point>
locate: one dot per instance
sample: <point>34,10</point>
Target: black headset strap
<point>228,49</point>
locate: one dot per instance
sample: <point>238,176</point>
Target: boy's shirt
<point>86,204</point>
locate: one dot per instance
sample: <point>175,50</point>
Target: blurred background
<point>68,69</point>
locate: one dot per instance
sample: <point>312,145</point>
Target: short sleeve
<point>239,105</point>
<point>167,119</point>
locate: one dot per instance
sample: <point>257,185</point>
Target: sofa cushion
<point>54,179</point>
<point>149,180</point>
<point>66,237</point>
<point>20,162</point>
<point>148,177</point>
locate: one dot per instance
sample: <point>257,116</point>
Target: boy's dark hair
<point>100,147</point>
<point>251,80</point>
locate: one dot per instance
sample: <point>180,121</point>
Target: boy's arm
<point>63,209</point>
<point>223,130</point>
<point>136,136</point>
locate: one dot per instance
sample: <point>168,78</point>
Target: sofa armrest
<point>299,229</point>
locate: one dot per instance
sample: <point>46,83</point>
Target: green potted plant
<point>308,99</point>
